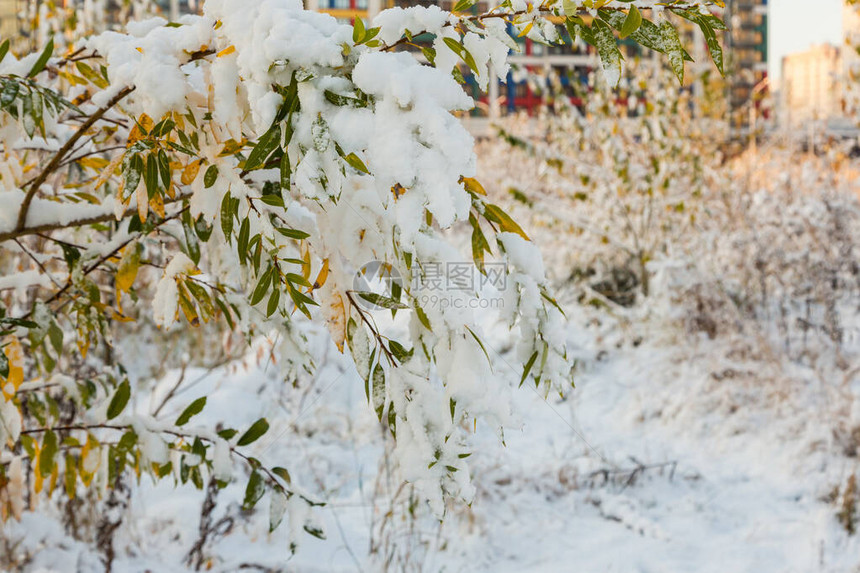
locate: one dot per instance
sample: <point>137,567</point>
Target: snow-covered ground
<point>667,457</point>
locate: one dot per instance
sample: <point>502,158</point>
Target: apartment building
<point>746,47</point>
<point>812,85</point>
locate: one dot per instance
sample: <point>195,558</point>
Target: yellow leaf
<point>93,162</point>
<point>89,461</point>
<point>142,202</point>
<point>398,190</point>
<point>336,319</point>
<point>143,126</point>
<point>526,30</point>
<point>118,317</point>
<point>55,473</point>
<point>190,172</point>
<point>179,121</point>
<point>226,51</point>
<point>187,306</point>
<point>322,276</point>
<point>70,478</point>
<point>494,213</point>
<point>108,171</point>
<point>157,204</point>
<point>73,79</point>
<point>15,356</point>
<point>473,186</point>
<point>37,472</point>
<point>306,260</point>
<point>231,147</point>
<point>127,270</point>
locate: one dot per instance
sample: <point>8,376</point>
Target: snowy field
<point>667,457</point>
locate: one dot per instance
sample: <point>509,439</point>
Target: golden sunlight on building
<point>812,84</point>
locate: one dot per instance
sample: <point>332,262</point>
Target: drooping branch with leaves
<point>233,171</point>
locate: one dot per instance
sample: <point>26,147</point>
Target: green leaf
<point>119,400</point>
<point>132,171</point>
<point>297,279</point>
<point>316,532</point>
<point>292,233</point>
<point>527,368</point>
<point>480,245</point>
<point>9,93</point>
<point>4,49</point>
<point>227,433</point>
<point>202,297</point>
<point>342,100</point>
<point>193,408</point>
<point>273,200</point>
<point>461,51</point>
<point>191,244</point>
<point>570,8</point>
<point>254,490</point>
<point>707,23</point>
<point>244,235</point>
<point>210,176</point>
<point>151,175</point>
<point>272,305</point>
<point>481,344</point>
<point>356,163</point>
<point>377,396</point>
<point>358,31</point>
<point>283,474</point>
<point>55,334</point>
<point>672,45</point>
<point>576,28</point>
<point>47,453</point>
<point>607,49</point>
<point>380,300</point>
<point>164,168</point>
<point>262,286</point>
<point>4,364</point>
<point>464,5</point>
<point>43,59</point>
<point>399,352</point>
<point>256,430</point>
<point>422,318</point>
<point>227,217</point>
<point>648,34</point>
<point>285,171</point>
<point>268,143</point>
<point>632,22</point>
<point>92,75</point>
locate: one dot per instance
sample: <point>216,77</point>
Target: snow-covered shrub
<point>758,254</point>
<point>614,185</point>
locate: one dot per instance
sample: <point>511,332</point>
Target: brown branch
<point>541,10</point>
<point>376,334</point>
<point>111,254</point>
<point>100,218</point>
<point>250,461</point>
<point>61,153</point>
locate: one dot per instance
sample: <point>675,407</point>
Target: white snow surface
<point>735,478</point>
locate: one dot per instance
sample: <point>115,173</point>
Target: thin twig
<point>38,262</point>
<point>61,153</point>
